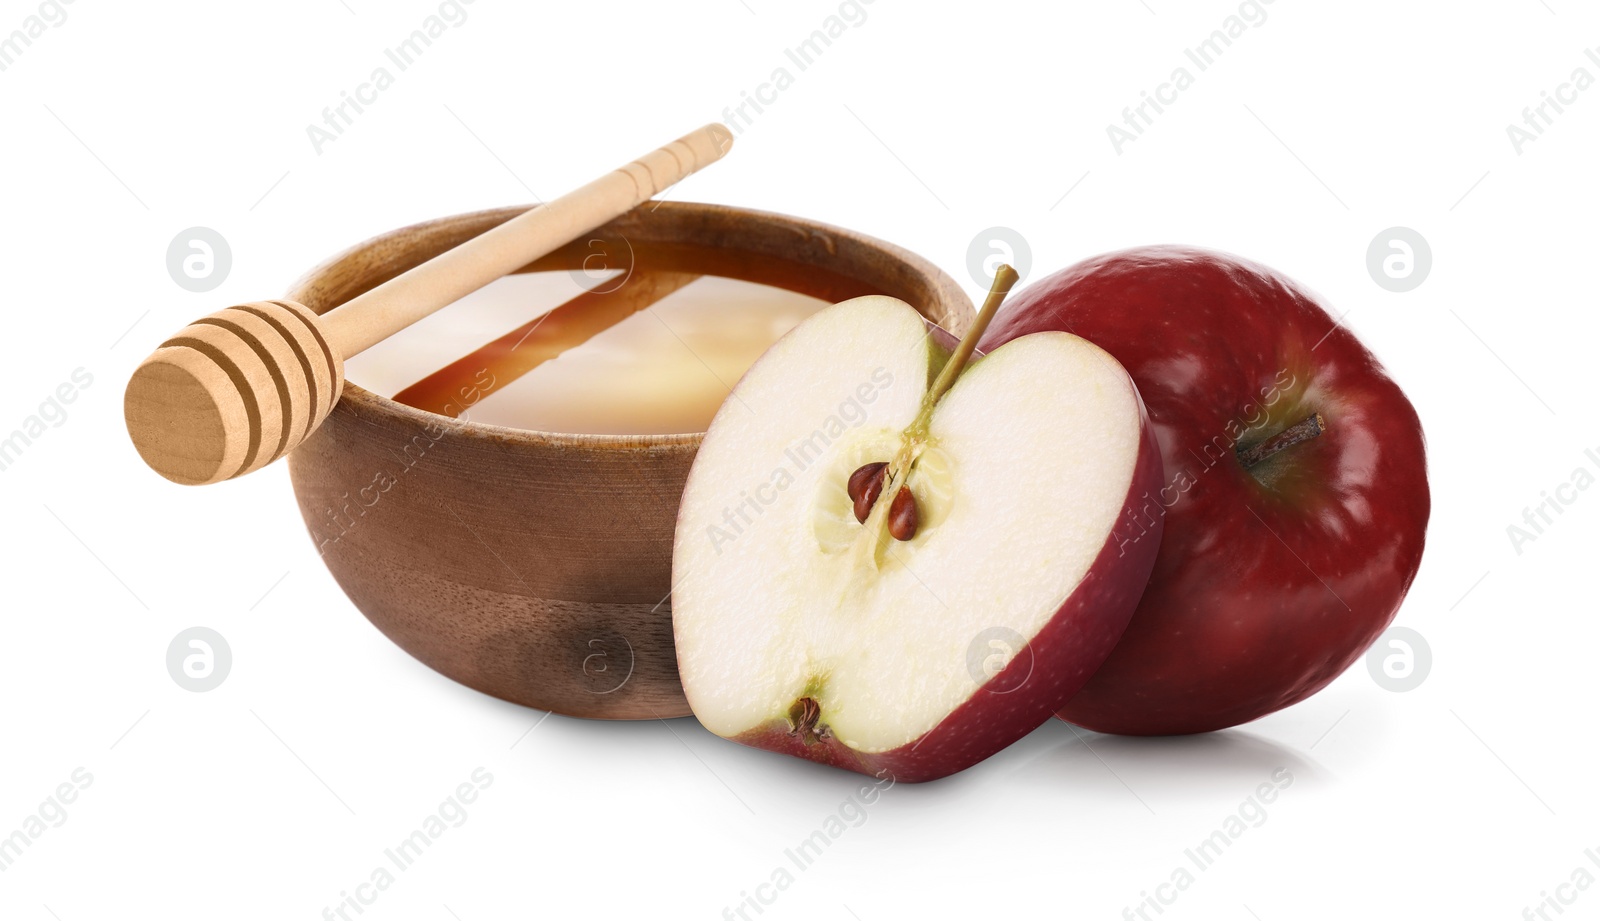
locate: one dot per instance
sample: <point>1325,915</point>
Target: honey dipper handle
<point>236,390</point>
<point>378,314</point>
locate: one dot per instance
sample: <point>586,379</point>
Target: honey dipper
<point>235,391</point>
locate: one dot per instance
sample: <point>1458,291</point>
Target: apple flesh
<point>911,652</point>
<point>1296,495</point>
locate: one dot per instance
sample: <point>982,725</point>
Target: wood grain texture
<point>232,392</point>
<point>534,566</point>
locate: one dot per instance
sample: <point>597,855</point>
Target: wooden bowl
<point>535,566</point>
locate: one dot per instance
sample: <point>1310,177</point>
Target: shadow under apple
<point>1202,766</point>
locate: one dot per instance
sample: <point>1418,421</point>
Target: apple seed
<point>866,484</point>
<point>903,518</point>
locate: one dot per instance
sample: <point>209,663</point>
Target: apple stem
<point>1304,430</point>
<point>1004,278</point>
<point>869,483</point>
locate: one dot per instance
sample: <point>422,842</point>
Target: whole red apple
<point>1296,496</point>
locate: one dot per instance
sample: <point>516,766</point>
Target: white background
<point>925,124</point>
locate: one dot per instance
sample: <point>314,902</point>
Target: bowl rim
<point>362,399</point>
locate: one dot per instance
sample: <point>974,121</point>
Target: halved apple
<point>893,561</point>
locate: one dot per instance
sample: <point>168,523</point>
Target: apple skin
<point>1042,677</point>
<point>1270,582</point>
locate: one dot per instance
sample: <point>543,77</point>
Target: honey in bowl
<point>508,355</point>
